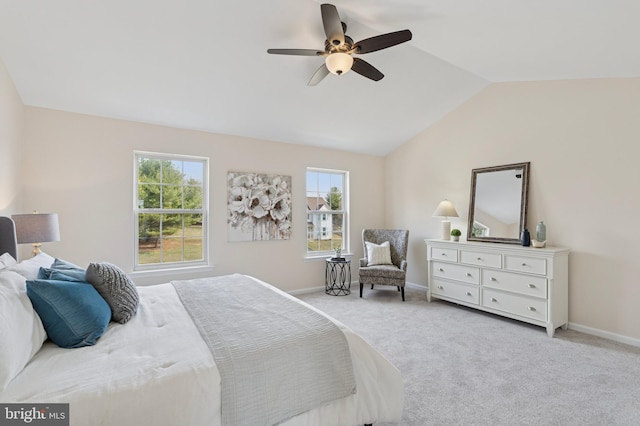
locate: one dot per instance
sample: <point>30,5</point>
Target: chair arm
<point>363,262</point>
<point>403,265</point>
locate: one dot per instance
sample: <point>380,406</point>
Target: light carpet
<point>465,367</point>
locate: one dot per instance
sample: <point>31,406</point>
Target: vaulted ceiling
<point>202,64</point>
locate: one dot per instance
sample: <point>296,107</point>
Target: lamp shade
<point>445,209</point>
<point>339,63</point>
<point>36,227</point>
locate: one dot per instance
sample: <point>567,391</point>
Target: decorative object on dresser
<point>36,228</point>
<point>516,282</point>
<point>445,209</point>
<point>385,261</point>
<point>498,204</point>
<point>525,238</point>
<point>455,234</point>
<point>541,235</point>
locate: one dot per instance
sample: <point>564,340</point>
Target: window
<point>171,210</point>
<point>327,211</point>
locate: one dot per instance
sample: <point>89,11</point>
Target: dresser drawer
<point>492,260</point>
<point>467,274</point>
<point>530,285</point>
<point>519,305</point>
<point>444,255</point>
<point>532,265</point>
<point>465,293</point>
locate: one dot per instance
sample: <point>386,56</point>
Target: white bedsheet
<point>156,369</point>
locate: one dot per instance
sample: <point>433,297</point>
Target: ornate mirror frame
<point>492,187</point>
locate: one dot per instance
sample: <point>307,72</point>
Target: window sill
<point>323,257</point>
<point>151,276</point>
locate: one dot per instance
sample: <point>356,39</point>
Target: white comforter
<point>156,369</point>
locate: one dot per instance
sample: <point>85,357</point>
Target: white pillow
<point>7,260</point>
<point>378,254</point>
<point>29,268</point>
<point>21,330</point>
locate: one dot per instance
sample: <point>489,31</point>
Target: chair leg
<point>371,286</point>
<point>361,285</point>
<point>398,288</point>
<point>402,291</point>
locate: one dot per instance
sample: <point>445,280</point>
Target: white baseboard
<point>417,286</point>
<point>605,334</point>
<point>305,290</point>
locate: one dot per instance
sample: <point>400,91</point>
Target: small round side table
<point>337,276</point>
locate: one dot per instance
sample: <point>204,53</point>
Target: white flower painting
<point>258,207</point>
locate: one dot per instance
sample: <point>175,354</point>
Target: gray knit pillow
<point>116,288</point>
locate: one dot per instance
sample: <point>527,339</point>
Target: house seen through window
<point>171,210</point>
<point>326,211</point>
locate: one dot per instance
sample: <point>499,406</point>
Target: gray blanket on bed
<point>276,357</point>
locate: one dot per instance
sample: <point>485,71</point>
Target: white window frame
<point>204,211</point>
<point>346,246</point>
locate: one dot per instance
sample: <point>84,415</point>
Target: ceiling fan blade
<point>365,69</point>
<point>382,41</point>
<point>317,76</point>
<point>299,52</point>
<point>332,24</point>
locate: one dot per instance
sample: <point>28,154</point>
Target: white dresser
<point>524,283</point>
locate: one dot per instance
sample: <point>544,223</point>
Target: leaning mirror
<point>498,205</point>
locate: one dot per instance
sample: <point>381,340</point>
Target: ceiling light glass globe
<point>339,63</point>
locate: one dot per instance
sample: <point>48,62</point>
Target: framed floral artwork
<point>258,206</point>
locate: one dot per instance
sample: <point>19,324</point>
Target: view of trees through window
<point>325,210</point>
<point>170,210</point>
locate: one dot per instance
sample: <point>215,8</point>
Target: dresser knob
<point>468,293</point>
<point>479,258</point>
<point>468,274</point>
<point>524,264</point>
<point>493,279</point>
<point>443,254</point>
<point>531,308</point>
<point>440,287</point>
<point>531,286</point>
<point>493,299</point>
<point>441,270</point>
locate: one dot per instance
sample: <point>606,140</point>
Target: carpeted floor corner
<point>465,367</point>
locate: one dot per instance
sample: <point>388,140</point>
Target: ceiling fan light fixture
<point>339,63</point>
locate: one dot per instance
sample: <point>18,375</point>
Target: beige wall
<point>581,138</point>
<point>11,118</point>
<point>81,167</point>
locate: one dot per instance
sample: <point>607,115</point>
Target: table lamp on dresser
<point>445,209</point>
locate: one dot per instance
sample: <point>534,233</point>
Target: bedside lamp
<point>445,209</point>
<point>36,228</point>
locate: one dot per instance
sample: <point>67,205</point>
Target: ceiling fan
<point>339,48</point>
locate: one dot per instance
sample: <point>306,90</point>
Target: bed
<point>158,367</point>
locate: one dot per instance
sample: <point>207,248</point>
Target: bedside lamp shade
<point>36,228</point>
<point>445,209</point>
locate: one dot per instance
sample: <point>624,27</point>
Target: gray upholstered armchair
<point>382,266</point>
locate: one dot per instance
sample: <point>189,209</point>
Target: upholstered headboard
<point>8,242</point>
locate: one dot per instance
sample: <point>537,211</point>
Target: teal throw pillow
<point>78,275</point>
<point>63,271</point>
<point>73,313</point>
